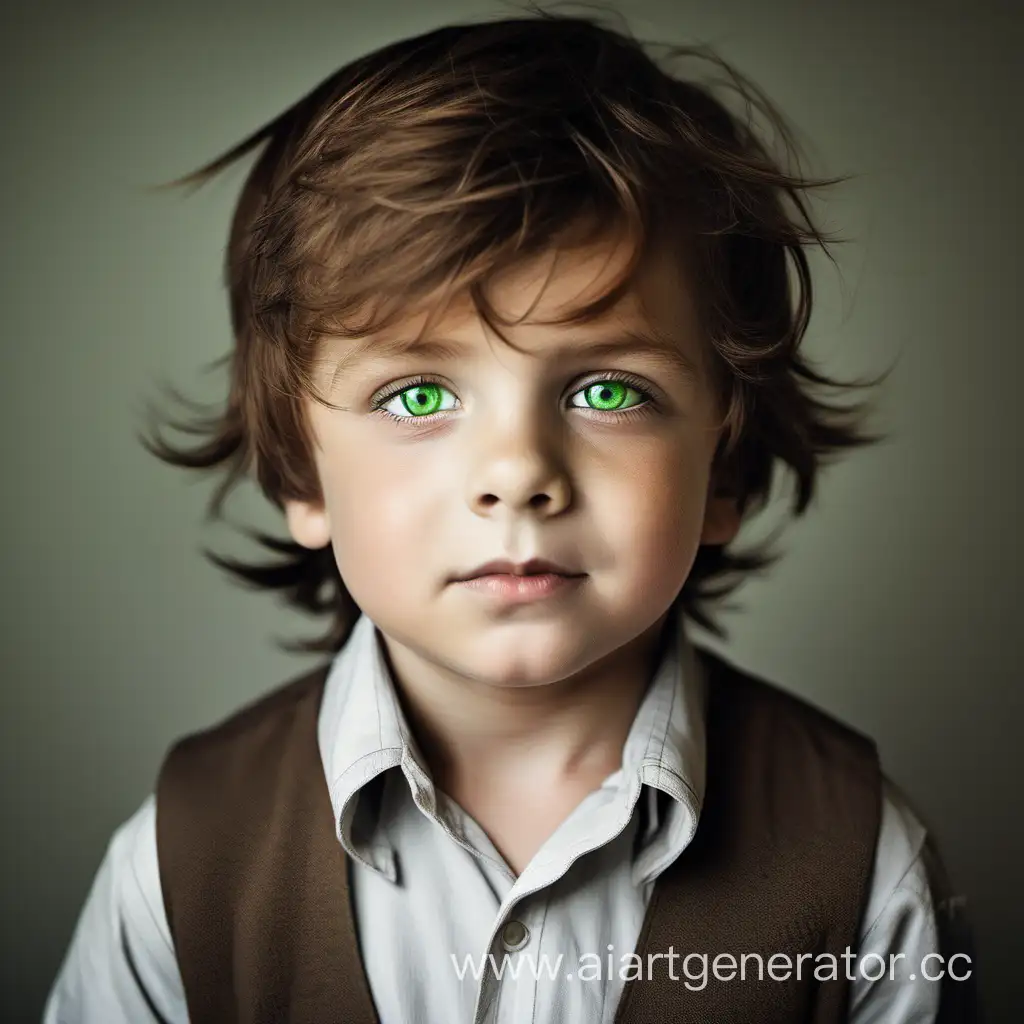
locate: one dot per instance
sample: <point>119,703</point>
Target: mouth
<point>521,588</point>
<point>534,567</point>
<point>515,583</point>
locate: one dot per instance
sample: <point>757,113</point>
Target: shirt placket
<point>502,1000</point>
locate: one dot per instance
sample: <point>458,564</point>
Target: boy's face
<point>499,453</point>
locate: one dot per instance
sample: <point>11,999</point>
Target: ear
<point>308,523</point>
<point>721,520</point>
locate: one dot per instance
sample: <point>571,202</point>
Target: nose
<point>518,468</point>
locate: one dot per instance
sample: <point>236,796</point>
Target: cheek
<point>379,515</point>
<point>659,512</point>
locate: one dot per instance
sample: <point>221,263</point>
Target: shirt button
<point>514,936</point>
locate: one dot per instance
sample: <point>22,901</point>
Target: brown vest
<point>256,885</point>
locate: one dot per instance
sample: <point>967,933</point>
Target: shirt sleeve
<point>120,964</point>
<point>907,970</point>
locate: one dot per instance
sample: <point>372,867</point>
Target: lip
<point>509,588</point>
<point>531,567</point>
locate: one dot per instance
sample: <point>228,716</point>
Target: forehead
<point>655,313</point>
<point>547,288</point>
<point>563,280</point>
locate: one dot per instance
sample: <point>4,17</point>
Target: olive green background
<point>895,605</point>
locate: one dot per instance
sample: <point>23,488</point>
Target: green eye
<point>421,400</point>
<point>607,396</point>
<point>426,398</point>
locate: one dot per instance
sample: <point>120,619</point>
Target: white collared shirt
<point>432,896</point>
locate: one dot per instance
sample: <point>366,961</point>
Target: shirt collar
<point>362,732</point>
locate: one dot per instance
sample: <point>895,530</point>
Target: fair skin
<point>521,710</point>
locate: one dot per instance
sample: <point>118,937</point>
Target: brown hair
<point>430,165</point>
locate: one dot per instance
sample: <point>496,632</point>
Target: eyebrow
<point>634,341</point>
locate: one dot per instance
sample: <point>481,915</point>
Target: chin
<point>530,655</point>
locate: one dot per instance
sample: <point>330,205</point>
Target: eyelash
<point>642,409</point>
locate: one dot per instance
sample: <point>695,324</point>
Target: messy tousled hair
<point>424,169</point>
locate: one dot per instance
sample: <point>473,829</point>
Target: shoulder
<point>900,868</point>
<point>133,857</point>
<point>904,850</point>
<point>898,926</point>
<point>791,725</point>
<point>781,768</point>
<point>910,878</point>
<point>252,731</point>
<point>120,964</point>
<point>216,787</point>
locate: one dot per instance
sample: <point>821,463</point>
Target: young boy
<point>515,352</point>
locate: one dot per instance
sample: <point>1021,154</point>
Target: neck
<point>562,733</point>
